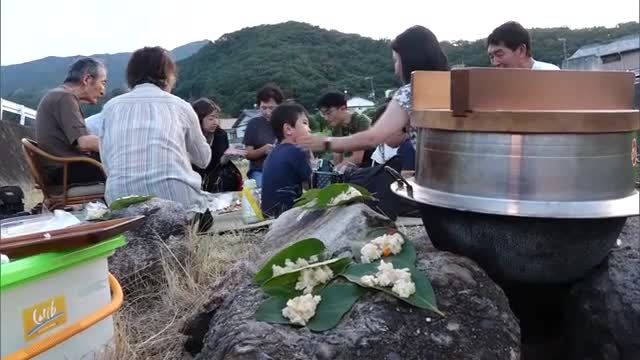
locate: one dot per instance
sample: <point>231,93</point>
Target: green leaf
<point>325,195</point>
<point>300,249</point>
<point>306,197</point>
<point>127,201</point>
<point>424,296</point>
<point>408,253</point>
<point>271,310</point>
<point>285,284</point>
<point>337,300</point>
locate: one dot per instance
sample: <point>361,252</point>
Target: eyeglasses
<point>327,112</point>
<point>267,108</point>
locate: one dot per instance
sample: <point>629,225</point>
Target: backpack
<point>11,200</point>
<point>378,182</point>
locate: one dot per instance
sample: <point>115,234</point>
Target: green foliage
<point>337,299</point>
<point>318,199</point>
<point>26,83</point>
<point>424,296</point>
<point>127,201</point>
<point>302,249</point>
<point>284,285</point>
<point>304,60</point>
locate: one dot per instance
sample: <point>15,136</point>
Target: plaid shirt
<point>149,139</point>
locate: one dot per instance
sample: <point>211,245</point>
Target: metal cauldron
<point>535,206</point>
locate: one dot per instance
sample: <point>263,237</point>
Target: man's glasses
<point>327,112</point>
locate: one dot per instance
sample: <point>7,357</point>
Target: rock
<point>603,310</point>
<point>478,322</point>
<point>630,234</point>
<point>337,227</point>
<point>165,231</point>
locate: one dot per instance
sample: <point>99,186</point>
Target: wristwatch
<point>327,144</point>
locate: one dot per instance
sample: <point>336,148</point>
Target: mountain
<point>304,60</point>
<point>26,83</point>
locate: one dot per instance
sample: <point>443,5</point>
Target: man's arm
<point>73,125</point>
<point>259,153</point>
<point>88,143</point>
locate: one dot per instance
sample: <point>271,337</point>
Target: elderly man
<point>60,125</point>
<point>509,46</point>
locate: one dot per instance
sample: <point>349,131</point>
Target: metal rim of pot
<point>622,207</point>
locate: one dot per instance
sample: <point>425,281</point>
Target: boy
<point>286,169</point>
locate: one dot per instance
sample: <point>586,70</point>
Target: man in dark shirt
<point>287,169</point>
<point>60,126</point>
<point>259,138</point>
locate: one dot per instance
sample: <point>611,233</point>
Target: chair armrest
<point>85,159</point>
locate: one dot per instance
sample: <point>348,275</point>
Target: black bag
<point>11,200</point>
<point>325,175</point>
<point>378,182</point>
<point>224,178</point>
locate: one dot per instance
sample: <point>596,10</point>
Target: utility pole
<point>372,95</point>
<point>564,51</point>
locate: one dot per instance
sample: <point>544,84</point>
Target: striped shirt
<point>149,140</point>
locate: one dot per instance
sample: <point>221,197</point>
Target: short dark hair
<point>152,65</point>
<point>510,34</point>
<point>285,114</point>
<point>82,67</point>
<point>419,49</point>
<point>204,107</point>
<point>268,92</point>
<point>332,99</point>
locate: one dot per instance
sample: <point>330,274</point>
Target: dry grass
<point>147,327</point>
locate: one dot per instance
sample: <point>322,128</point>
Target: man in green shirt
<point>333,106</point>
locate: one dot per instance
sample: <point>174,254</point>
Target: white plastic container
<point>42,294</point>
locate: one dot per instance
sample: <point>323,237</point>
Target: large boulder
<point>163,234</point>
<point>603,310</point>
<point>478,322</point>
<point>338,227</point>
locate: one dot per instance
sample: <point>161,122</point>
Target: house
<point>235,127</point>
<point>622,54</point>
<point>359,104</point>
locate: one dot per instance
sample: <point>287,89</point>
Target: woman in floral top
<point>417,48</point>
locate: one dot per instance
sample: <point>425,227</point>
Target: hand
<point>313,142</point>
<point>268,148</point>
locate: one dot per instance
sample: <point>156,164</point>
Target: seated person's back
<point>286,169</point>
<point>151,138</point>
<point>60,125</point>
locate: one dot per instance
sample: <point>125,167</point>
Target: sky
<point>33,29</point>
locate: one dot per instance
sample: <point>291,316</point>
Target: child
<point>286,169</point>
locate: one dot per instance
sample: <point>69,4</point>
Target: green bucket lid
<point>32,267</point>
